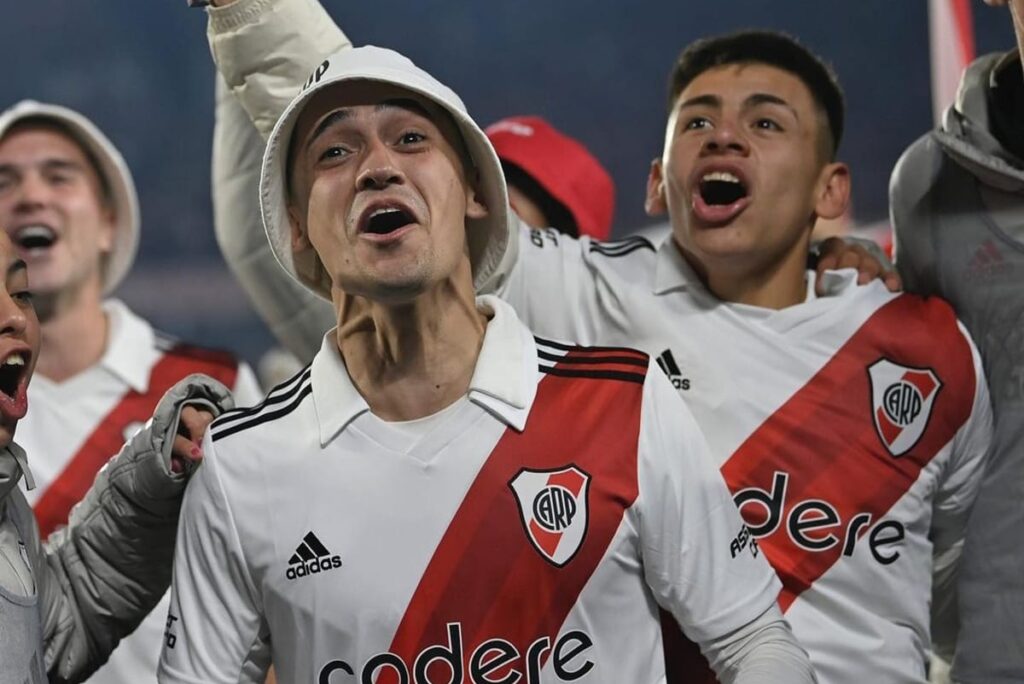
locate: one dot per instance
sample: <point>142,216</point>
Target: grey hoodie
<point>957,203</point>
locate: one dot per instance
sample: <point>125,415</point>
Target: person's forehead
<point>730,82</point>
<point>360,99</point>
<point>41,139</point>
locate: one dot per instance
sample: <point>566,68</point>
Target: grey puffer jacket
<point>65,604</point>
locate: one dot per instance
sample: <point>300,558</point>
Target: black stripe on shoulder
<point>579,348</point>
<point>281,393</point>
<point>631,360</point>
<point>265,417</point>
<point>622,247</point>
<point>592,374</point>
<point>621,242</point>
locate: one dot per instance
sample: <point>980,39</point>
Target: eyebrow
<point>340,115</point>
<point>47,165</point>
<point>752,101</point>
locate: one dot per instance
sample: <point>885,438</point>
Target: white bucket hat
<point>487,237</point>
<point>114,172</point>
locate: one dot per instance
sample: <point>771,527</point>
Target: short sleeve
<point>215,632</point>
<point>701,561</point>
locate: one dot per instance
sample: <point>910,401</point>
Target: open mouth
<point>12,372</point>
<point>38,236</point>
<point>386,220</point>
<point>721,188</point>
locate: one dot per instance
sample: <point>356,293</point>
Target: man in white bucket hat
<point>68,204</point>
<point>441,496</point>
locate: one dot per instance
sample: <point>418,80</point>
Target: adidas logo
<point>668,365</point>
<point>311,557</point>
<point>987,262</point>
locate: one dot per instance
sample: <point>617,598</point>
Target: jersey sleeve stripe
<point>593,360</point>
<point>562,346</point>
<point>282,392</point>
<point>594,374</point>
<point>262,417</point>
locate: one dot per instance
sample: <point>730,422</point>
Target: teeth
<point>723,176</point>
<point>385,210</point>
<point>40,231</point>
<point>15,359</point>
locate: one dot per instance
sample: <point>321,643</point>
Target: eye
<point>333,152</point>
<point>24,297</point>
<point>767,124</point>
<point>697,123</point>
<point>411,138</point>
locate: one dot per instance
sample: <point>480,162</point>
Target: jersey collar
<point>130,351</point>
<point>671,272</point>
<point>504,382</point>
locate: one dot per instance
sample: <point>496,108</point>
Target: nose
<point>32,193</point>
<point>725,138</point>
<point>13,318</point>
<point>378,170</point>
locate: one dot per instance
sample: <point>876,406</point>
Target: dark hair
<point>61,128</point>
<point>763,47</point>
<point>558,215</point>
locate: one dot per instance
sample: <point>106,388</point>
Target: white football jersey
<point>852,428</point>
<point>73,428</point>
<point>528,533</point>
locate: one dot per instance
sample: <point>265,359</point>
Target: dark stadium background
<point>142,71</point>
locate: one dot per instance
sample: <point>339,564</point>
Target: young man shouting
<point>440,496</point>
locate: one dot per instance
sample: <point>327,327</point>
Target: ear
<point>834,191</point>
<point>107,230</point>
<point>300,238</point>
<point>654,203</point>
<point>475,207</point>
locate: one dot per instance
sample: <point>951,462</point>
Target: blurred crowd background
<point>596,69</point>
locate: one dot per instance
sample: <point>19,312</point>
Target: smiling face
<point>19,340</point>
<point>53,209</point>
<point>745,170</point>
<point>378,188</point>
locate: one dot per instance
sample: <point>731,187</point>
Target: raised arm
<point>297,318</point>
<point>265,50</point>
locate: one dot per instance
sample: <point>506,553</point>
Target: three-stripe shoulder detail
<point>618,248</point>
<point>279,402</point>
<point>599,363</point>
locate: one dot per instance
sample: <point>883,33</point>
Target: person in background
<point>957,209</point>
<point>553,180</point>
<point>68,206</point>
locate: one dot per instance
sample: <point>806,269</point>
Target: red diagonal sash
<point>485,574</point>
<point>70,486</point>
<point>824,439</point>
